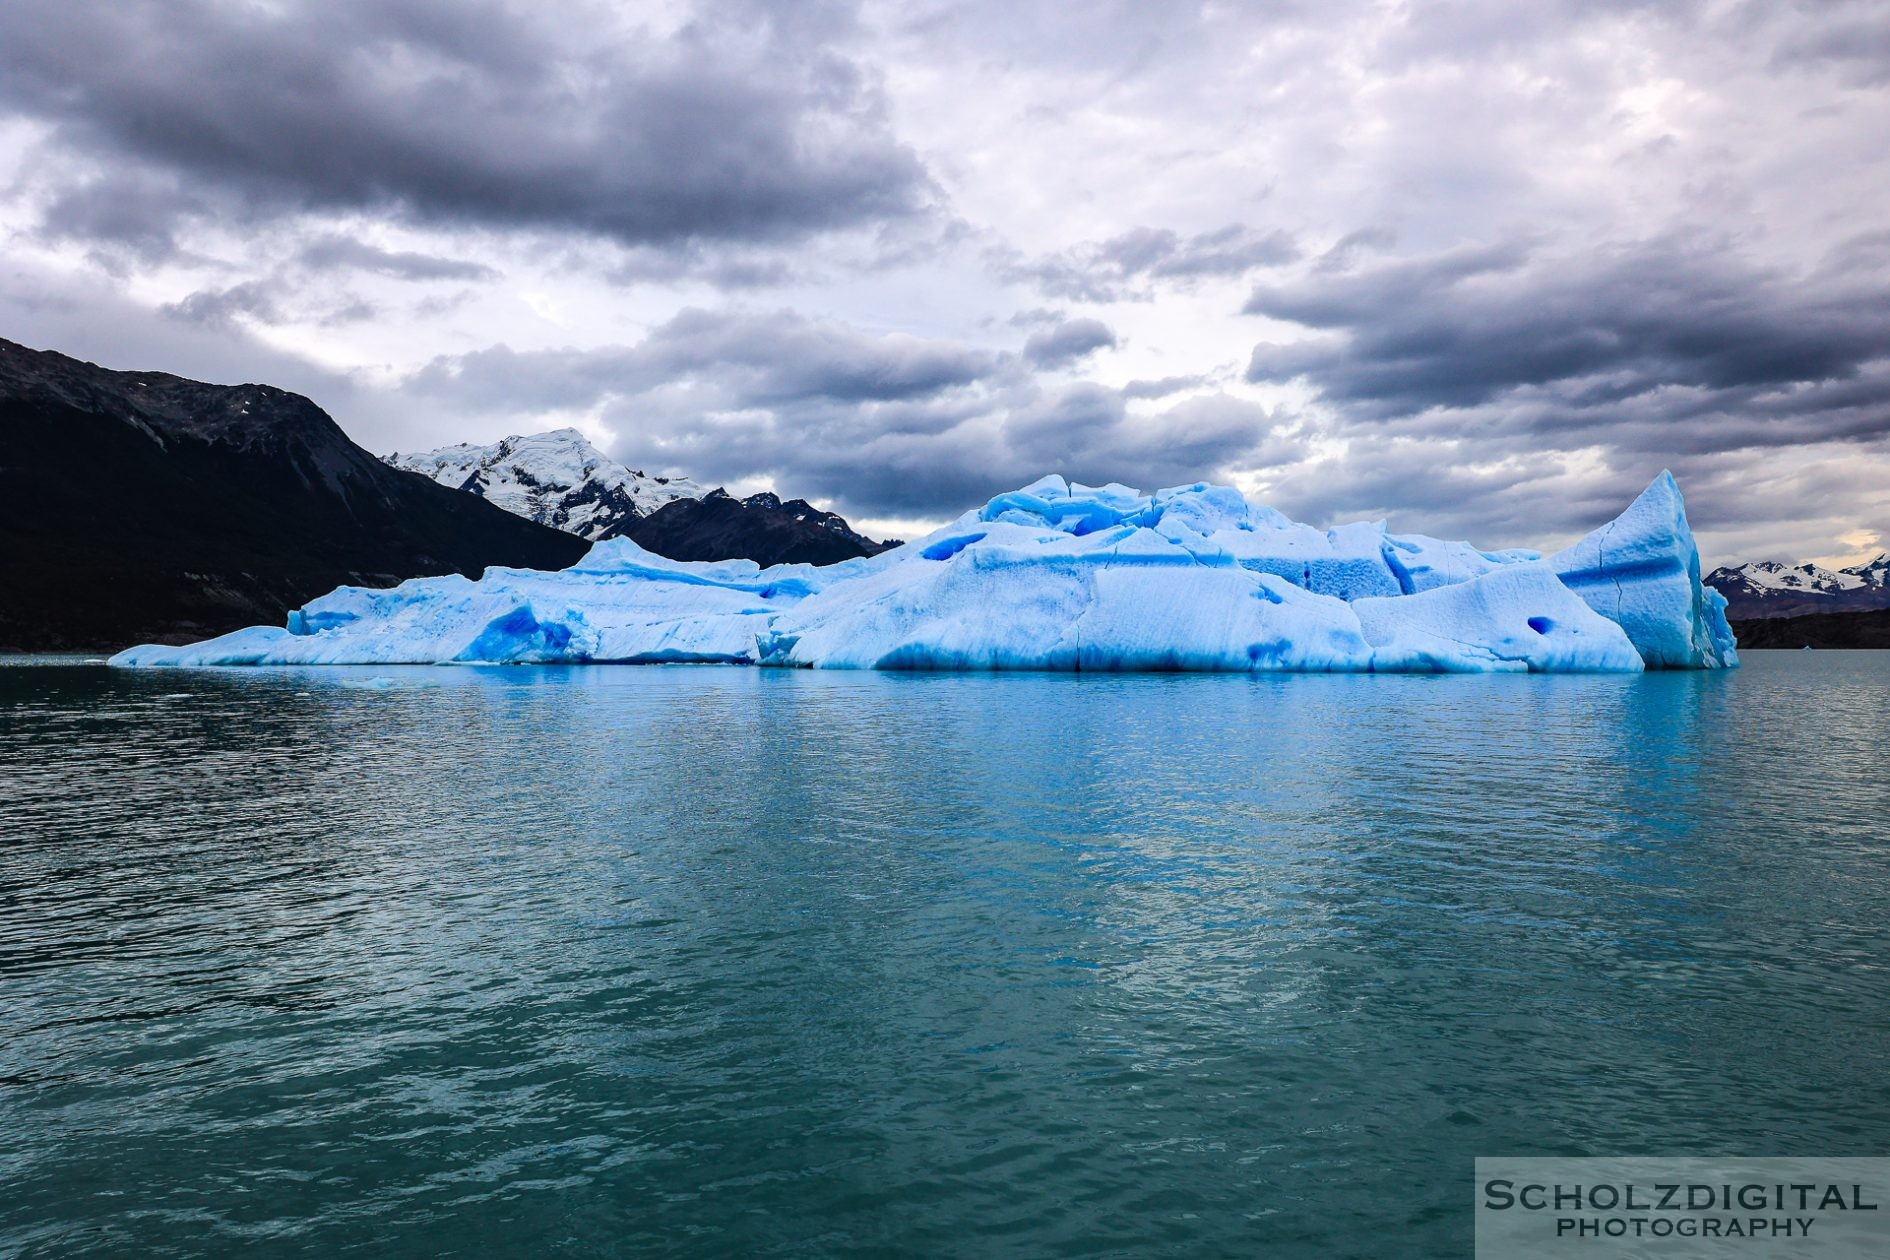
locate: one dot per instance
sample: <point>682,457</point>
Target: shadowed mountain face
<point>759,528</point>
<point>1868,629</point>
<point>137,506</point>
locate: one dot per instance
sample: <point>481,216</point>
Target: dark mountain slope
<point>759,528</point>
<point>1819,630</point>
<point>138,506</point>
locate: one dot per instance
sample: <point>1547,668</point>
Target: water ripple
<point>594,961</point>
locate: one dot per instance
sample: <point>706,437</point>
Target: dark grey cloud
<point>883,424</point>
<point>1085,432</point>
<point>343,252</point>
<point>271,301</point>
<point>1008,437</point>
<point>220,308</point>
<point>1520,257</point>
<point>789,357</point>
<point>133,212</point>
<point>1132,264</point>
<point>749,359</point>
<point>1666,345</point>
<point>1068,342</point>
<point>742,123</point>
<point>306,289</point>
<point>1527,389</point>
<point>1854,38</point>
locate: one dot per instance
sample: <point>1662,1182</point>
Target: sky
<point>1479,268</point>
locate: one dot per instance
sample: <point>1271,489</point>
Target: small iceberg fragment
<point>1060,577</point>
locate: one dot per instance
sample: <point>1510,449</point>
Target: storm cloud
<point>1067,341</point>
<point>403,264</point>
<point>880,423</point>
<point>1667,345</point>
<point>738,123</point>
<point>1480,268</point>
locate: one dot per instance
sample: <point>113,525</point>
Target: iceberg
<point>1642,571</point>
<point>1059,576</point>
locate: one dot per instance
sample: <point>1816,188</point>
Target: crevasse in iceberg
<point>1060,576</point>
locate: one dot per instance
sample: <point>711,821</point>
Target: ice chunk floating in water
<point>1060,576</point>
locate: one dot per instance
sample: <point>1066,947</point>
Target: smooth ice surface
<point>1063,577</point>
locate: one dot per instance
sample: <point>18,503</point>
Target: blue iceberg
<point>1063,577</point>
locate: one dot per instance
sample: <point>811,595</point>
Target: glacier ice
<point>1642,571</point>
<point>1066,577</point>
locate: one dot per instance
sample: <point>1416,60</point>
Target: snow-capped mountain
<point>1874,573</point>
<point>1766,588</point>
<point>555,478</point>
<point>1770,575</point>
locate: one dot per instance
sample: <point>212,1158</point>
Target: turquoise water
<point>593,961</point>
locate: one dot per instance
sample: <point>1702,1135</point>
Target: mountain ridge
<point>761,528</point>
<point>144,506</point>
<point>1763,589</point>
<point>557,478</point>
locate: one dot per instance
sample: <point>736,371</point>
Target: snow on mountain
<point>1874,572</point>
<point>556,478</point>
<point>1766,588</point>
<point>1770,575</point>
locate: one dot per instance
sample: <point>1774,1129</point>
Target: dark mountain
<point>138,506</point>
<point>761,528</point>
<point>1869,629</point>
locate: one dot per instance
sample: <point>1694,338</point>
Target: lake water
<point>600,961</point>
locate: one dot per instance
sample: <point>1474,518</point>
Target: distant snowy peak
<point>1770,575</point>
<point>556,478</point>
<point>1875,572</point>
<point>1766,588</point>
